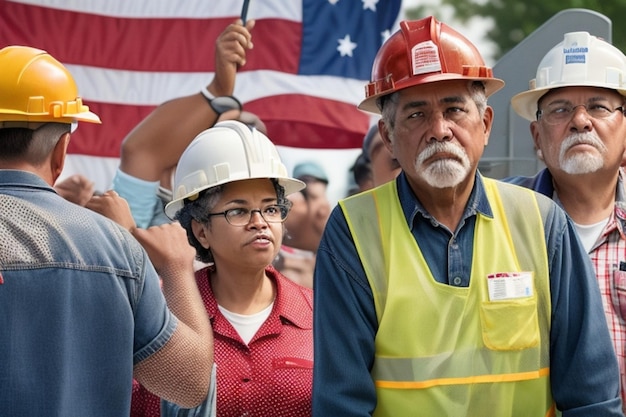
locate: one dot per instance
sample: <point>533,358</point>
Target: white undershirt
<point>589,233</point>
<point>247,324</point>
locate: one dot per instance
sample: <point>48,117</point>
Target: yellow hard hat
<point>36,88</point>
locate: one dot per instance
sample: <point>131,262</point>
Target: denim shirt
<point>584,374</point>
<point>80,305</point>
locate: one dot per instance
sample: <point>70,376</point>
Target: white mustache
<point>441,147</point>
<point>587,138</point>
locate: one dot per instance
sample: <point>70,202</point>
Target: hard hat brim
<point>291,185</point>
<point>491,86</point>
<point>525,103</point>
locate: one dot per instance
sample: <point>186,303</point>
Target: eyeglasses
<point>241,216</point>
<point>561,113</point>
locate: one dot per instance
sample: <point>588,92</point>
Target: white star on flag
<point>370,4</point>
<point>386,34</point>
<point>346,46</point>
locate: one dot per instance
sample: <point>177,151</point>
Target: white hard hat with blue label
<point>581,60</point>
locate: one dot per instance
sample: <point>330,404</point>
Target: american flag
<point>304,77</point>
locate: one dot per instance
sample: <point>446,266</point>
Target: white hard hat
<point>228,151</point>
<point>581,60</point>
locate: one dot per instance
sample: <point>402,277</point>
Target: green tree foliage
<point>516,19</point>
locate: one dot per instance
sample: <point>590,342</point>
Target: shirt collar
<point>411,206</point>
<point>292,303</point>
<point>19,179</point>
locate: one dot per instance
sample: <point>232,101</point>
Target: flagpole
<point>244,11</point>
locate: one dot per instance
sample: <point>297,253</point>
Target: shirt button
<point>457,281</point>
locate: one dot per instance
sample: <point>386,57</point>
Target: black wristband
<point>224,104</point>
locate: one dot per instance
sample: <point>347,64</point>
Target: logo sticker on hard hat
<point>425,56</point>
<point>575,54</point>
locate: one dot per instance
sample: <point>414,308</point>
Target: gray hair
<point>30,145</point>
<point>388,112</point>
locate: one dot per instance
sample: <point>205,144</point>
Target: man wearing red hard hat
<point>445,293</point>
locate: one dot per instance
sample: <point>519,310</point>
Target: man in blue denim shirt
<point>81,308</point>
<point>445,293</point>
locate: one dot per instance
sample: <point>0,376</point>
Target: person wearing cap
<point>361,178</point>
<point>82,308</point>
<point>384,166</point>
<point>445,293</point>
<point>576,111</point>
<point>375,165</point>
<point>305,225</point>
<point>230,195</point>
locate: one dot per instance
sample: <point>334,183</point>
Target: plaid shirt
<point>606,255</point>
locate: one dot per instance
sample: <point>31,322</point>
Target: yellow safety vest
<point>450,351</point>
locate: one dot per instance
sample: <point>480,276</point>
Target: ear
<point>383,130</point>
<point>487,123</point>
<point>57,159</point>
<point>200,232</point>
<point>534,132</point>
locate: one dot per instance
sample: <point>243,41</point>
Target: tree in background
<point>516,19</point>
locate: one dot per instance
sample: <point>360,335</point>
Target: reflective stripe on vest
<point>446,350</point>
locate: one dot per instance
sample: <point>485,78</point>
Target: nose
<point>581,121</point>
<point>256,219</point>
<point>440,128</point>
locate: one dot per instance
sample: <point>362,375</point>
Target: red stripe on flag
<point>310,122</point>
<point>105,139</point>
<point>143,44</point>
<point>292,120</point>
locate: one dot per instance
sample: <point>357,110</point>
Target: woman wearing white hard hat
<point>230,193</point>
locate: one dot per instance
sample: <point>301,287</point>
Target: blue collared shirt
<point>80,305</point>
<point>584,374</point>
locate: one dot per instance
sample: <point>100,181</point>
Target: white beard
<point>444,173</point>
<point>582,162</point>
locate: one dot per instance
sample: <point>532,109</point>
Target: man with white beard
<point>445,293</point>
<point>576,111</point>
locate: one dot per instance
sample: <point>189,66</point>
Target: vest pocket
<point>510,324</point>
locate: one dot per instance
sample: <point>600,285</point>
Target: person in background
<point>458,295</point>
<point>375,165</point>
<point>151,150</point>
<point>82,308</point>
<point>231,198</point>
<point>361,172</point>
<point>576,111</point>
<point>305,225</point>
<point>383,164</point>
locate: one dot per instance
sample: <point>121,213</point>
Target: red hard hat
<point>425,51</point>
